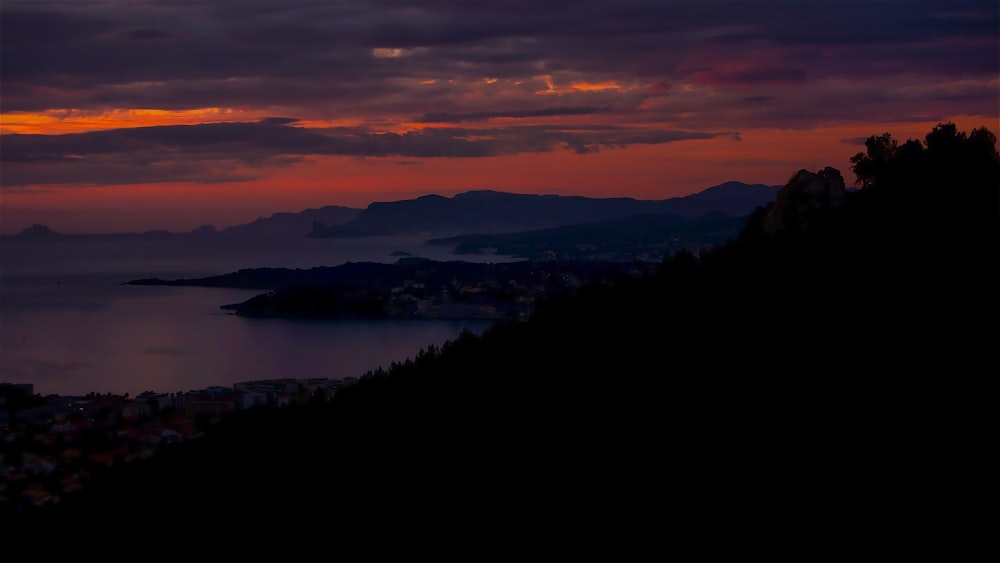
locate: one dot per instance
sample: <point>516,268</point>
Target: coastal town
<point>51,446</point>
<point>411,289</point>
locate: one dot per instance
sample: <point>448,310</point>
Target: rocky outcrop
<point>38,232</point>
<point>805,194</point>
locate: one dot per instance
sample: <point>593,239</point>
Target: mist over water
<point>69,325</point>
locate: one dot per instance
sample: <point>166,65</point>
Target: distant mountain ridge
<point>471,212</point>
<point>39,232</point>
<point>494,212</point>
<point>294,224</point>
<point>282,224</point>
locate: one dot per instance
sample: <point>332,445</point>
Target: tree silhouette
<point>947,156</point>
<point>869,165</point>
<point>15,398</point>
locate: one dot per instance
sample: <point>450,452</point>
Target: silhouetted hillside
<point>731,198</point>
<point>823,388</point>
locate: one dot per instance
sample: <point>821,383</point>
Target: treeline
<point>824,391</point>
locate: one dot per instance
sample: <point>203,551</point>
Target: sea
<point>69,324</point>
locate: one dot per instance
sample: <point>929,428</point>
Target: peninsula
<point>411,288</point>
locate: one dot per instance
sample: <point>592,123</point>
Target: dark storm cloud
<point>143,34</point>
<point>246,141</point>
<point>278,120</point>
<point>71,46</point>
<point>445,117</point>
<point>760,75</point>
<point>699,66</point>
<point>185,152</point>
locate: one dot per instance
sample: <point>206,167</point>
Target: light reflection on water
<point>69,325</point>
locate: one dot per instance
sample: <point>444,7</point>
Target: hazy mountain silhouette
<point>293,224</point>
<point>37,232</point>
<point>43,232</point>
<point>488,211</point>
<point>483,211</point>
<point>736,199</point>
<point>281,225</point>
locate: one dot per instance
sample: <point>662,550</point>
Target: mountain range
<point>492,212</point>
<point>472,212</point>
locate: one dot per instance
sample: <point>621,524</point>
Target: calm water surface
<point>69,325</point>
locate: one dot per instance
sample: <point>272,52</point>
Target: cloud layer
<point>431,79</point>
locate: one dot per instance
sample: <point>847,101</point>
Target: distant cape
<point>38,232</point>
<point>284,224</point>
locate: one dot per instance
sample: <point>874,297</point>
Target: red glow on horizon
<point>768,156</point>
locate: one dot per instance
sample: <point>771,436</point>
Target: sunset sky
<point>136,115</point>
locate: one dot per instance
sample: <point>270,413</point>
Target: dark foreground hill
<point>821,389</point>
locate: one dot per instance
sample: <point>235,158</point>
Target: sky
<point>135,115</point>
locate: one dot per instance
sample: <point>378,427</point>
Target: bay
<point>69,325</point>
